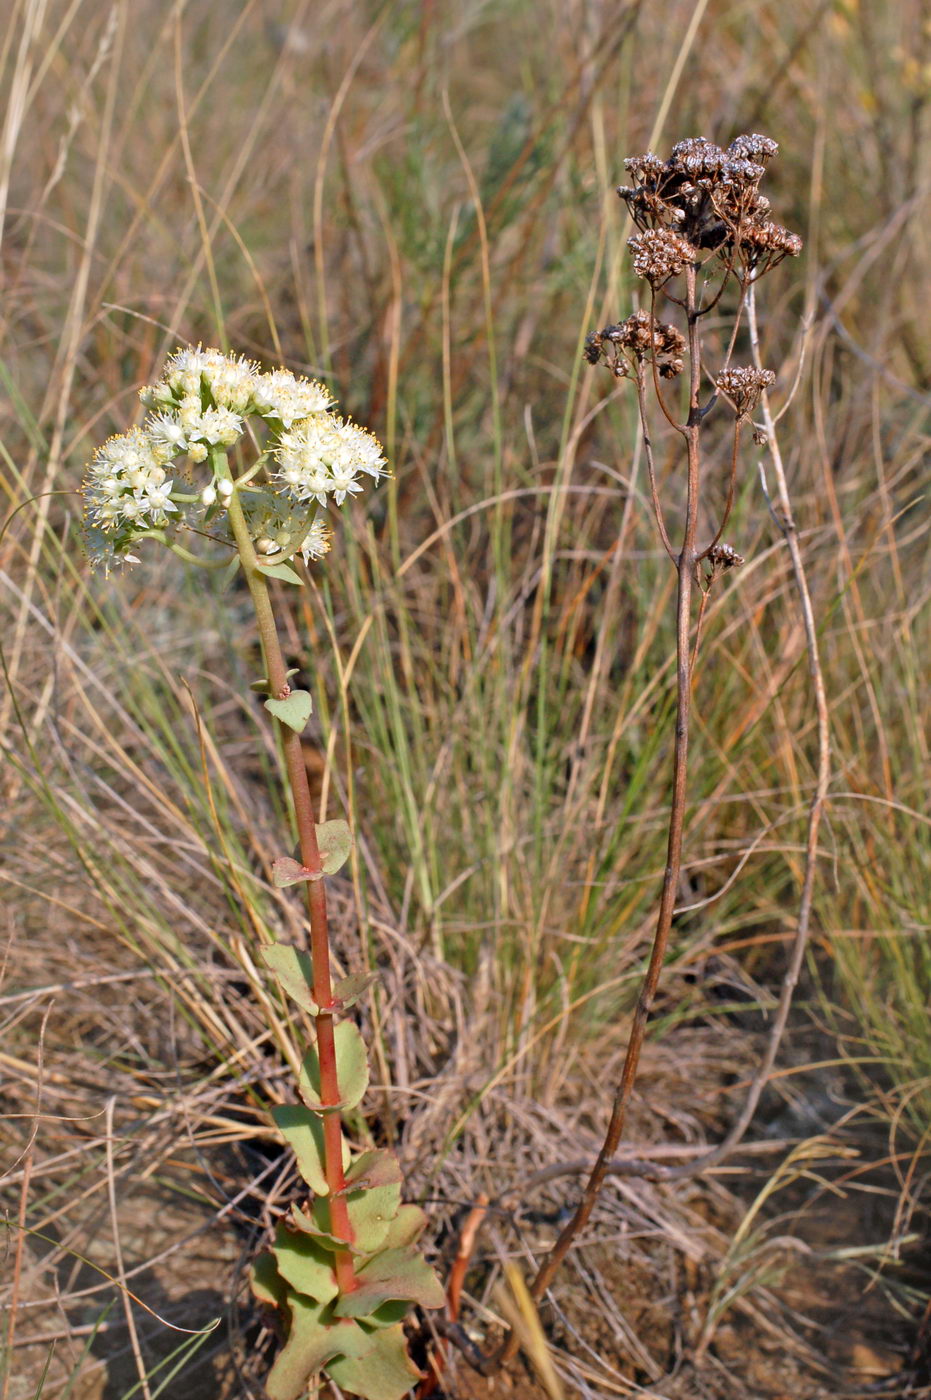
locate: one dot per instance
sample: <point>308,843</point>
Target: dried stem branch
<point>702,198</point>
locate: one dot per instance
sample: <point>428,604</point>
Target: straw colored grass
<point>415,202</point>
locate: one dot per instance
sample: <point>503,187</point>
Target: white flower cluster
<point>204,397</point>
<point>198,410</point>
<point>323,456</point>
<point>127,483</point>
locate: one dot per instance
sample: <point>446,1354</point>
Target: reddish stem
<point>340,1225</point>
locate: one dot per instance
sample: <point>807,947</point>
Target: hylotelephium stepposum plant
<point>703,231</point>
<point>245,462</point>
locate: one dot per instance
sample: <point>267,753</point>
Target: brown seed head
<point>710,197</point>
<point>660,254</point>
<point>639,338</point>
<point>724,556</point>
<point>744,386</point>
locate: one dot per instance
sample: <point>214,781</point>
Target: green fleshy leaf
<point>375,1168</point>
<point>266,1282</point>
<point>352,1071</point>
<point>349,990</point>
<point>294,971</point>
<point>305,1264</point>
<point>316,1228</point>
<point>335,841</point>
<point>286,871</point>
<point>282,571</point>
<point>370,1214</point>
<point>294,711</point>
<point>391,1275</point>
<point>262,685</point>
<point>388,1314</point>
<point>384,1371</point>
<point>302,1130</point>
<point>310,1345</point>
<point>406,1227</point>
<point>402,1231</point>
<point>373,1197</point>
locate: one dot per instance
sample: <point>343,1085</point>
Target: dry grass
<point>415,202</point>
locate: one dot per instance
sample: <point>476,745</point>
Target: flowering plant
<point>343,1268</point>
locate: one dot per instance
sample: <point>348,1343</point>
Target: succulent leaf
<point>390,1275</point>
<point>280,571</point>
<point>352,1071</point>
<point>294,710</point>
<point>294,971</point>
<point>406,1227</point>
<point>384,1371</point>
<point>349,990</point>
<point>263,685</point>
<point>310,1345</point>
<point>287,871</point>
<point>335,842</point>
<point>305,1265</point>
<point>302,1130</point>
<point>266,1282</point>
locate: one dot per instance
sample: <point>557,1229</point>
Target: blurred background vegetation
<point>414,202</point>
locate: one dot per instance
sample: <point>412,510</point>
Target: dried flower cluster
<point>703,202</point>
<point>199,409</point>
<point>639,338</point>
<point>724,556</point>
<point>744,386</point>
<point>710,198</point>
<point>660,254</point>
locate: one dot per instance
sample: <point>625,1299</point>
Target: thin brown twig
<point>651,467</point>
<point>731,487</point>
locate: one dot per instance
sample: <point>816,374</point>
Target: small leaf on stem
<point>294,711</point>
<point>375,1168</point>
<point>294,971</point>
<point>390,1275</point>
<point>286,871</point>
<point>302,1130</point>
<point>348,990</point>
<point>280,571</point>
<point>352,1071</point>
<point>305,1265</point>
<point>335,842</point>
<point>406,1227</point>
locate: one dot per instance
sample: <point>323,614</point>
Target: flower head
<point>282,396</point>
<point>323,456</point>
<point>199,409</point>
<point>660,254</point>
